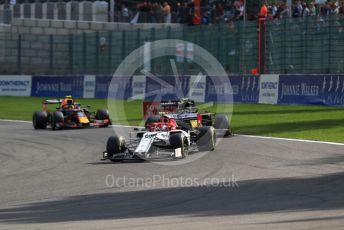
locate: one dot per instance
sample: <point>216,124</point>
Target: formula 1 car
<point>185,111</point>
<point>160,139</point>
<point>69,114</point>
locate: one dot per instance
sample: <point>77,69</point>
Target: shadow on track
<point>255,196</point>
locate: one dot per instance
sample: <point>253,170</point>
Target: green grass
<point>304,122</point>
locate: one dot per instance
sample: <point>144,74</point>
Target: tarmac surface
<point>55,179</point>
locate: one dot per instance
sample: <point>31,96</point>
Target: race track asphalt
<point>55,180</point>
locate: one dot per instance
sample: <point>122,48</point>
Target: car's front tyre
<point>206,138</point>
<point>114,145</point>
<point>177,140</point>
<point>57,120</point>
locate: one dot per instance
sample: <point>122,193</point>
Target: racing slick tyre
<point>39,120</point>
<point>206,138</point>
<point>222,122</point>
<point>103,114</point>
<point>207,120</point>
<point>114,146</point>
<point>152,119</point>
<point>57,120</point>
<point>178,141</point>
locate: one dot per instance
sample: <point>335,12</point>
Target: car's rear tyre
<point>103,114</point>
<point>114,145</point>
<point>177,140</point>
<point>152,119</point>
<point>222,122</point>
<point>39,119</point>
<point>57,120</point>
<point>206,138</point>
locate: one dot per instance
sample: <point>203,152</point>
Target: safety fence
<point>264,89</point>
<point>311,45</point>
<point>102,52</point>
<point>308,45</point>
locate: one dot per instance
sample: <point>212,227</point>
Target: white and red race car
<point>163,138</point>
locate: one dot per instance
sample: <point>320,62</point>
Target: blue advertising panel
<point>243,89</point>
<point>311,89</point>
<point>57,86</point>
<point>218,89</point>
<point>119,88</point>
<point>167,87</point>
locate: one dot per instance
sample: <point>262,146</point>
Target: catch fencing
<point>311,45</point>
<point>102,52</point>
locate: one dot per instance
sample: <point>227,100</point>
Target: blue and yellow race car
<point>69,114</point>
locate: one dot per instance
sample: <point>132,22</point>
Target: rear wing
<point>173,103</point>
<point>153,108</point>
<point>50,102</point>
<point>169,106</point>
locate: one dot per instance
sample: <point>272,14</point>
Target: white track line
<point>19,121</point>
<point>241,135</point>
<point>29,122</point>
<point>290,139</point>
<point>127,126</point>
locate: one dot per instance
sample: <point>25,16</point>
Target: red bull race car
<point>69,114</point>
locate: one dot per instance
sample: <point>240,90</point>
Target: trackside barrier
<point>15,85</point>
<point>89,86</point>
<point>268,89</point>
<point>57,86</point>
<point>119,87</point>
<point>302,89</point>
<point>264,89</point>
<point>311,89</point>
<point>245,89</point>
<point>167,87</point>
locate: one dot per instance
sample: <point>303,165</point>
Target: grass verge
<point>289,121</point>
